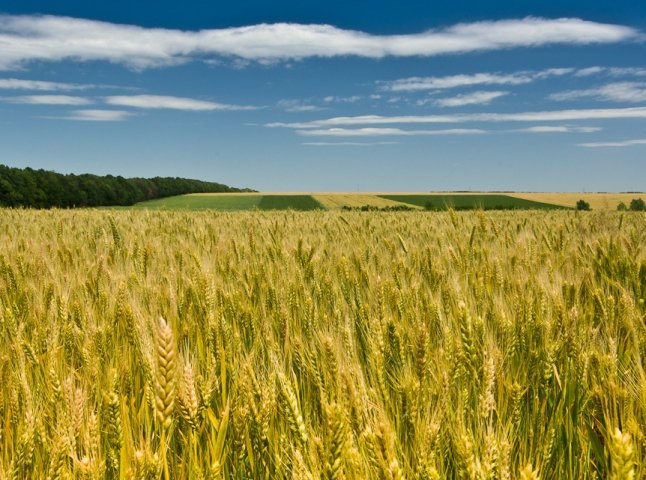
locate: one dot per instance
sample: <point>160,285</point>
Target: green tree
<point>44,189</point>
<point>637,205</point>
<point>622,207</point>
<point>582,205</point>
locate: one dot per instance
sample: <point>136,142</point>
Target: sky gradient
<point>305,96</point>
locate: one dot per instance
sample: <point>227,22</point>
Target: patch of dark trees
<point>431,207</point>
<point>45,189</point>
<point>636,205</point>
<point>372,208</point>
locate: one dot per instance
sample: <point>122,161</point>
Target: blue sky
<point>334,96</point>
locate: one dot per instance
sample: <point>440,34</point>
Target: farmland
<point>470,202</point>
<point>203,202</point>
<point>293,202</point>
<point>336,201</point>
<point>322,344</point>
<point>339,201</point>
<point>232,202</point>
<point>597,201</point>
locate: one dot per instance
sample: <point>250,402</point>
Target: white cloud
<point>474,98</point>
<point>439,83</point>
<point>378,132</point>
<point>18,84</point>
<point>347,144</point>
<point>171,103</point>
<point>498,78</point>
<point>628,71</point>
<point>585,72</point>
<point>94,116</point>
<point>48,100</point>
<point>558,129</point>
<point>614,92</point>
<point>545,129</point>
<point>29,38</point>
<point>336,99</point>
<point>627,143</point>
<point>297,106</point>
<point>553,72</point>
<point>413,84</point>
<point>612,71</point>
<point>545,116</point>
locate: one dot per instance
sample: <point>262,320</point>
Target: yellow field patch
<point>597,201</point>
<point>337,201</point>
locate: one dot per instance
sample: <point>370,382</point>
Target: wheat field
<point>337,201</point>
<point>409,345</point>
<point>597,201</point>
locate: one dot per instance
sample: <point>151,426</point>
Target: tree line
<point>45,189</point>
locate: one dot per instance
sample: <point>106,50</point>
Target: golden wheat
<point>376,345</point>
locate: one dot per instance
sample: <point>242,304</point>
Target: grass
<point>221,201</point>
<point>322,344</point>
<point>285,202</point>
<point>471,201</point>
<point>232,202</point>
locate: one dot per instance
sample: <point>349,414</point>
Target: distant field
<point>334,201</point>
<point>597,201</point>
<point>469,201</point>
<point>224,202</point>
<point>285,202</point>
<point>232,202</point>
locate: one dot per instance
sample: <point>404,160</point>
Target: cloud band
<point>52,38</point>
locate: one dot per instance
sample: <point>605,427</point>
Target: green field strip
<point>289,202</point>
<point>223,202</point>
<point>470,202</point>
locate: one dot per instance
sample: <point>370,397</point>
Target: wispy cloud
<point>586,72</point>
<point>559,129</point>
<point>619,72</point>
<point>544,116</point>
<point>612,71</point>
<point>94,116</point>
<point>627,143</point>
<point>337,99</point>
<point>50,38</point>
<point>296,106</point>
<point>412,84</point>
<point>48,100</point>
<point>348,144</point>
<point>379,132</point>
<point>474,98</point>
<point>171,103</point>
<point>614,92</point>
<point>552,72</point>
<point>39,85</point>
